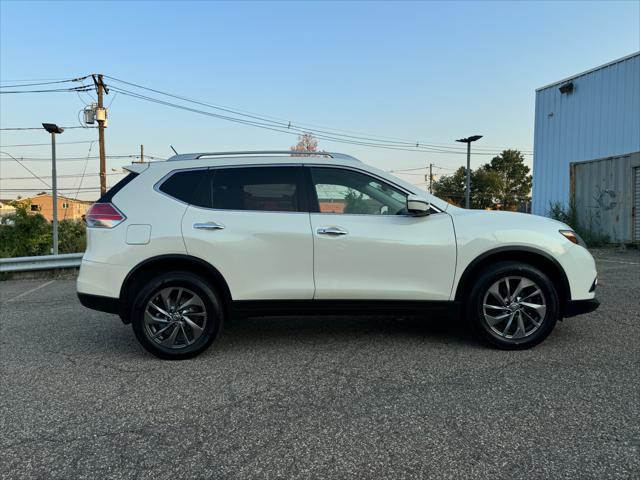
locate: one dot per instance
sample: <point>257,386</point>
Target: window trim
<point>310,199</point>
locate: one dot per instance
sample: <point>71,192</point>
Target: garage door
<point>636,204</point>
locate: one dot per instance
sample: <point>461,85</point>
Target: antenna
<point>174,150</point>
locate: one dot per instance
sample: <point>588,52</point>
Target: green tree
<point>23,234</point>
<point>515,178</point>
<point>451,187</point>
<point>503,183</point>
<point>485,188</point>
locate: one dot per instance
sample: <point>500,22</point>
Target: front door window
<point>342,191</point>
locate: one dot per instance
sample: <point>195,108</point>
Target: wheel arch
<point>532,256</point>
<point>163,263</point>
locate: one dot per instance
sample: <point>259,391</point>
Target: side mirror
<point>418,206</point>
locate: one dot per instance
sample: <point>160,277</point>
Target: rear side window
<point>274,189</point>
<point>189,186</point>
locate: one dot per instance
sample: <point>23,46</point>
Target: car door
<point>368,247</point>
<point>254,228</point>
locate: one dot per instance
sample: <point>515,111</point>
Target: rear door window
<point>271,189</point>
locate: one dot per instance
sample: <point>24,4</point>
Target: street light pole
<point>467,193</point>
<point>467,189</point>
<point>53,129</point>
<point>54,189</point>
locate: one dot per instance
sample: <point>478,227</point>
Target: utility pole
<point>141,153</point>
<point>53,129</point>
<point>101,117</point>
<point>467,192</point>
<point>430,177</point>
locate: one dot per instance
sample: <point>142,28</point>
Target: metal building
<point>587,147</point>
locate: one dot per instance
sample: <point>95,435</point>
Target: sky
<point>429,72</point>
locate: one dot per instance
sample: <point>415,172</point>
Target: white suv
<point>177,247</point>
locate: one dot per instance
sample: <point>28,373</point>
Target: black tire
<point>496,334</point>
<point>208,301</point>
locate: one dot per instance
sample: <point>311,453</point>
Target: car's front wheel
<point>176,315</point>
<point>513,306</point>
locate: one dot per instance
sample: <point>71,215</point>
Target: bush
<point>24,234</point>
<point>589,234</point>
<point>72,236</point>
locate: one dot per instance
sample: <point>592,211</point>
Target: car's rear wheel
<point>176,315</point>
<point>513,306</point>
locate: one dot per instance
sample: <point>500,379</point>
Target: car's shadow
<point>346,329</point>
<point>99,334</point>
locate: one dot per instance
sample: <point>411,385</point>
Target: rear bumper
<point>100,279</point>
<point>578,307</point>
<point>97,302</point>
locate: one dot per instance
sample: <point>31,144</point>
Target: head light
<point>573,237</point>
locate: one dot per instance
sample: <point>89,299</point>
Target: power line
<point>50,90</point>
<point>30,80</point>
<point>69,175</point>
<point>265,122</point>
<point>27,169</point>
<point>39,128</point>
<point>292,131</point>
<point>42,83</point>
<point>40,189</point>
<point>77,159</point>
<point>408,170</point>
<point>84,171</point>
<point>44,144</point>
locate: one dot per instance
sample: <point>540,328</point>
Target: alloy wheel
<point>514,307</point>
<point>175,317</point>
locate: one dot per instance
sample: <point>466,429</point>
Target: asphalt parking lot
<point>319,398</point>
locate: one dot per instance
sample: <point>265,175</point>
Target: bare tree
<point>306,143</point>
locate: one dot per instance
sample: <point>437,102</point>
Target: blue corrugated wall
<point>599,119</point>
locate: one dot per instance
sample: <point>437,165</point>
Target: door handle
<point>208,226</point>
<point>332,231</point>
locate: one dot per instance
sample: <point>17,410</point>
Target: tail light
<point>104,215</point>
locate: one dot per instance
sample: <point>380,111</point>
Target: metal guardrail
<point>44,262</point>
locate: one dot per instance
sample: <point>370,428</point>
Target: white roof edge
<point>591,70</point>
<point>259,153</point>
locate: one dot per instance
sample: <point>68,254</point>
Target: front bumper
<point>578,307</point>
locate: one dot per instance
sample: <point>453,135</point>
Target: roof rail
<point>197,156</point>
